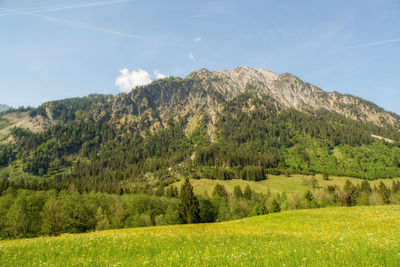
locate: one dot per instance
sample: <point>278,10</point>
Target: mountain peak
<point>291,92</point>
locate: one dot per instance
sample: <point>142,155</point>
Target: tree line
<point>27,213</point>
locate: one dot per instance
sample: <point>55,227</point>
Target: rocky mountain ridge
<point>202,95</point>
<point>291,92</point>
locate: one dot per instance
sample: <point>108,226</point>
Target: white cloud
<point>191,56</point>
<point>198,39</point>
<point>126,81</point>
<point>159,75</point>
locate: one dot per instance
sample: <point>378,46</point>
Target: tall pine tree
<point>189,204</point>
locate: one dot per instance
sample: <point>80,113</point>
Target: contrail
<point>369,44</point>
<point>201,16</point>
<point>39,10</point>
<point>86,26</point>
<point>391,90</point>
<point>75,23</point>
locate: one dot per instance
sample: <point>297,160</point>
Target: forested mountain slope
<point>243,123</point>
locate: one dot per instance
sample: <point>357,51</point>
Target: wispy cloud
<point>87,26</point>
<point>197,39</point>
<point>201,16</point>
<point>76,23</point>
<point>191,57</point>
<point>11,12</point>
<point>391,90</point>
<point>369,44</point>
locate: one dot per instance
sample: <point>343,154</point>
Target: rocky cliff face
<point>291,92</point>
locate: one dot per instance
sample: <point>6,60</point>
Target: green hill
<point>357,236</point>
<point>280,184</point>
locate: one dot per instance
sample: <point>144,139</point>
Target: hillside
<point>281,184</point>
<point>241,124</point>
<point>358,236</point>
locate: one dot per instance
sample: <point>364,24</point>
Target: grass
<point>357,236</point>
<point>276,183</point>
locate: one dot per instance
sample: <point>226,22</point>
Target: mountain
<point>243,124</point>
<point>3,107</point>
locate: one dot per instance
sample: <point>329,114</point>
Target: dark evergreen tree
<point>189,205</point>
<point>171,191</point>
<point>351,192</point>
<point>237,191</point>
<point>259,209</point>
<point>385,193</point>
<point>395,186</point>
<point>220,190</point>
<point>207,211</point>
<point>365,186</point>
<point>275,207</point>
<point>247,192</point>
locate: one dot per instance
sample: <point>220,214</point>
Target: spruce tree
<point>275,207</point>
<point>237,191</point>
<point>385,193</point>
<point>365,186</point>
<point>189,204</point>
<point>220,190</point>
<point>247,192</point>
<point>395,186</point>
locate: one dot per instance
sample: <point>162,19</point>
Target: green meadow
<point>337,236</point>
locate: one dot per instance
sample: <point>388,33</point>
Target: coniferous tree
<point>171,191</point>
<point>351,193</point>
<point>395,186</point>
<point>220,190</point>
<point>259,209</point>
<point>189,205</point>
<point>275,207</point>
<point>385,193</point>
<point>365,186</point>
<point>247,192</point>
<point>237,191</point>
<point>207,211</point>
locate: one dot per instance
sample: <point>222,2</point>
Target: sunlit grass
<point>358,236</point>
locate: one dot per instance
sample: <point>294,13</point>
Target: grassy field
<point>276,183</point>
<point>358,236</point>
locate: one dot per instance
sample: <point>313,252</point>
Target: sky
<point>58,49</point>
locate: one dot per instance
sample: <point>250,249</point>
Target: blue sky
<point>57,49</point>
